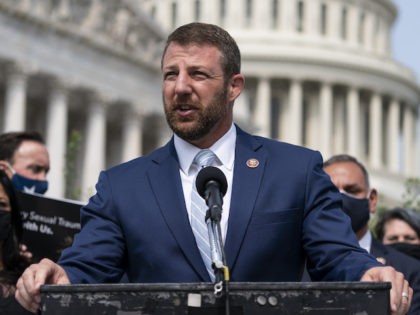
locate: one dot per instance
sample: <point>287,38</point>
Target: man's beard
<point>204,119</point>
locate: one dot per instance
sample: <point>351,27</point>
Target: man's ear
<point>5,167</point>
<point>235,87</point>
<point>373,200</point>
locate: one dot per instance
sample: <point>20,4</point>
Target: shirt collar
<point>366,241</point>
<point>222,148</point>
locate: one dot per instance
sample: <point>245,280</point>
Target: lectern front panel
<point>322,298</point>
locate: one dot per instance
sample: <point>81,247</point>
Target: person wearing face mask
<point>359,202</point>
<point>25,159</point>
<point>400,229</point>
<point>12,263</point>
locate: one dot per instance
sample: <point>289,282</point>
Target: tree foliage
<point>411,196</point>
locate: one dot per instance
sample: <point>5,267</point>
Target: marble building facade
<point>90,67</point>
<point>319,73</point>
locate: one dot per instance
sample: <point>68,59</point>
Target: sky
<point>406,35</point>
<point>406,40</point>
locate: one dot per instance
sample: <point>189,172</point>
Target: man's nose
<point>183,84</point>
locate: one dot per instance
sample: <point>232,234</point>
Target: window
<point>222,9</point>
<point>248,12</point>
<point>275,13</point>
<point>361,32</point>
<point>300,16</point>
<point>344,23</point>
<point>153,12</point>
<point>323,19</point>
<point>197,10</point>
<point>173,14</point>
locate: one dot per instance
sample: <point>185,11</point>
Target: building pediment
<point>116,25</point>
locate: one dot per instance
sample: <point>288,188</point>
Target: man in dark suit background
<point>279,207</point>
<point>359,202</point>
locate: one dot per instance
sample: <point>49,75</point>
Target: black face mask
<point>5,224</point>
<point>357,209</point>
<point>407,248</point>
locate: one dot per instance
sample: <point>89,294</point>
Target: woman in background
<point>12,261</point>
<point>400,228</point>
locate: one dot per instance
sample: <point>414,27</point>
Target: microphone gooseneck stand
<point>211,184</point>
<point>219,263</point>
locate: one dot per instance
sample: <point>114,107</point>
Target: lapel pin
<point>252,163</point>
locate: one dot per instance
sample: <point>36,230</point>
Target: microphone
<point>211,184</point>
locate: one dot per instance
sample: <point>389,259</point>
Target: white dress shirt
<point>224,149</point>
<point>366,241</point>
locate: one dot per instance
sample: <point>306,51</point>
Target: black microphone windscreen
<point>208,174</point>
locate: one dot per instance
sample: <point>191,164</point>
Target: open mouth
<point>185,110</point>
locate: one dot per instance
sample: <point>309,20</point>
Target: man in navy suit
<point>359,202</point>
<point>279,207</point>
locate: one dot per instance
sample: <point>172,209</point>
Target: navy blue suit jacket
<point>281,211</point>
<point>409,266</point>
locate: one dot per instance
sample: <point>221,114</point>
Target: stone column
<point>211,12</point>
<point>375,124</point>
<point>409,145</point>
<point>164,132</point>
<point>283,95</point>
<point>94,158</point>
<point>333,20</point>
<point>352,24</point>
<point>15,104</point>
<point>311,121</point>
<point>381,37</point>
<point>295,112</point>
<point>369,31</point>
<point>393,135</point>
<point>339,126</point>
<point>312,17</point>
<point>241,109</point>
<point>262,15</point>
<point>262,114</point>
<point>185,11</point>
<point>325,100</point>
<point>164,16</point>
<point>132,135</point>
<point>353,118</point>
<point>235,14</point>
<point>287,15</point>
<point>56,138</point>
<point>93,17</point>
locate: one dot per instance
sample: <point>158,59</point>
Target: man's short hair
<point>341,158</point>
<point>209,34</point>
<point>10,142</point>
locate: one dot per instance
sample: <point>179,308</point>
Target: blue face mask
<point>26,184</point>
<point>357,209</point>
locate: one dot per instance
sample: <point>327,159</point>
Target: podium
<point>245,298</point>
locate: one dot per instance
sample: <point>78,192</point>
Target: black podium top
<point>245,298</point>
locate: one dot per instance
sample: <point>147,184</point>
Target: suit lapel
<point>246,182</point>
<point>379,251</point>
<point>166,184</point>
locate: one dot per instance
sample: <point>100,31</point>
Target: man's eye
<point>37,169</point>
<point>169,75</point>
<point>200,75</point>
<point>352,191</point>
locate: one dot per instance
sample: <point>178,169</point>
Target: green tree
<point>73,148</point>
<point>411,196</point>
